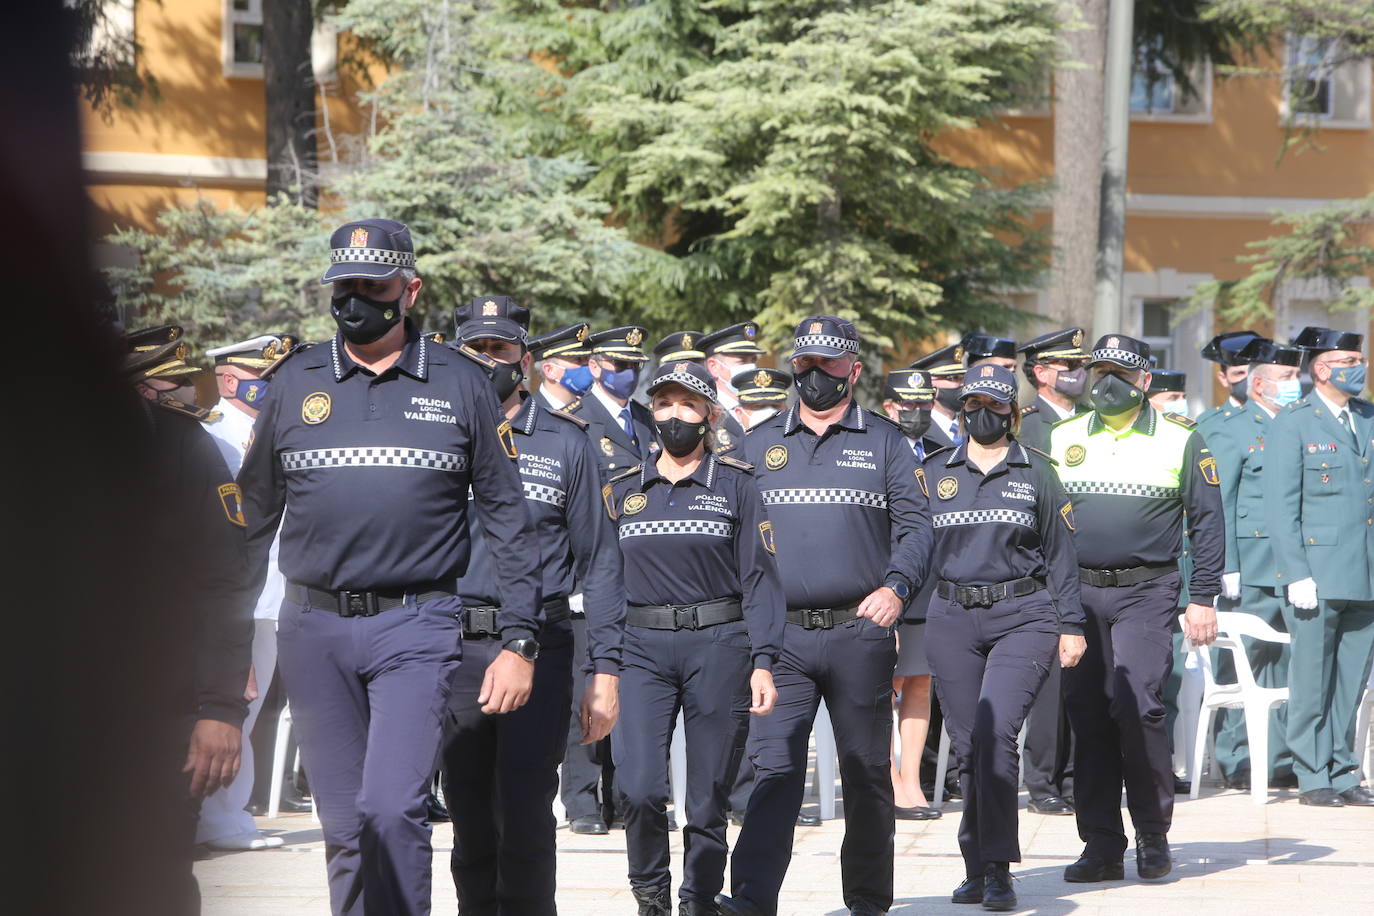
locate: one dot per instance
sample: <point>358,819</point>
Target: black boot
<point>653,901</point>
<point>736,906</point>
<point>971,891</point>
<point>997,892</point>
<point>1152,859</point>
<point>697,908</point>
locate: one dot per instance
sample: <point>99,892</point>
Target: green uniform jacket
<point>1318,494</point>
<point>1237,437</point>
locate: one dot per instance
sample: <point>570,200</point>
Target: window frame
<point>234,69</point>
<point>1362,74</point>
<point>1203,81</point>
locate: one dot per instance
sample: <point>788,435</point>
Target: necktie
<point>1344,417</point>
<point>628,425</point>
<point>954,431</point>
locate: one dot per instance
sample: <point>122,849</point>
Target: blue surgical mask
<point>578,380</point>
<point>1286,392</point>
<point>251,392</point>
<point>620,384</point>
<point>1176,407</point>
<point>1349,379</point>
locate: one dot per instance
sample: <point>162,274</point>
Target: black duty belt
<point>988,595</point>
<point>822,618</point>
<point>1115,578</point>
<point>479,621</point>
<point>363,603</point>
<point>684,616</point>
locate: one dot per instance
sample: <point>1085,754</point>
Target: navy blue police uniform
<point>501,772</point>
<point>616,448</point>
<point>849,519</point>
<point>945,363</point>
<point>740,341</point>
<point>705,608</point>
<point>368,475</point>
<point>1007,590</point>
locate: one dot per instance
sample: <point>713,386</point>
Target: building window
<point>242,38</point>
<point>1155,319</point>
<point>1320,87</point>
<point>1157,95</point>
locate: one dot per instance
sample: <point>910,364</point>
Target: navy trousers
<point>1115,698</point>
<point>705,674</point>
<point>587,769</point>
<point>1048,754</point>
<point>500,777</point>
<point>850,667</point>
<point>989,664</point>
<point>368,696</point>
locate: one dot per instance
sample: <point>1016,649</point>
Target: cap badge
<point>1074,455</point>
<point>987,371</point>
<point>358,239</point>
<point>1078,338</point>
<point>182,352</point>
<point>680,367</point>
<point>958,354</point>
<point>582,333</point>
<point>489,308</point>
<point>947,488</point>
<point>634,504</point>
<point>686,341</point>
<point>315,408</point>
<point>173,333</point>
<point>634,336</point>
<point>270,351</point>
<point>1114,342</point>
<point>761,379</point>
<point>775,458</point>
<point>816,328</point>
<point>750,330</point>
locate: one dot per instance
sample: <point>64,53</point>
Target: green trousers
<point>1269,661</point>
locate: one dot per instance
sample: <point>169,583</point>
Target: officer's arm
<point>1206,522</point>
<point>596,557</point>
<point>909,512</point>
<point>1283,499</point>
<point>763,600</point>
<point>505,519</point>
<point>1054,515</point>
<point>1229,454</point>
<point>224,601</point>
<point>264,489</point>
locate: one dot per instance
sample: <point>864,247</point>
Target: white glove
<point>1230,585</point>
<point>1303,594</point>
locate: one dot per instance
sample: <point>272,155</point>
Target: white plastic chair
<point>1245,694</point>
<point>937,800</point>
<point>1362,749</point>
<point>827,762</point>
<point>279,767</point>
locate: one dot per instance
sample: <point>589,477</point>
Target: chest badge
<point>635,503</point>
<point>1074,455</point>
<point>723,438</point>
<point>607,448</point>
<point>315,408</point>
<point>947,488</point>
<point>775,459</point>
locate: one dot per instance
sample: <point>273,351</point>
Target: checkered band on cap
<point>1115,488</point>
<point>543,493</point>
<point>686,380</point>
<point>372,256</point>
<point>827,340</point>
<point>677,526</point>
<point>983,516</point>
<point>373,456</point>
<point>982,385</point>
<point>824,496</point>
<point>1117,355</point>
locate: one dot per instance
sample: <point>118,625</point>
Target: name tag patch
<point>430,410</point>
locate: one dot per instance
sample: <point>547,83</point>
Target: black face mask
<point>818,389</point>
<point>948,398</point>
<point>914,421</point>
<point>985,425</point>
<point>1113,395</point>
<point>362,320</point>
<point>680,437</point>
<point>1241,390</point>
<point>506,377</point>
<point>1070,383</point>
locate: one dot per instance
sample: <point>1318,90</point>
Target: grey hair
<point>409,273</point>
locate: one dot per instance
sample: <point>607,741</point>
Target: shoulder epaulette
<point>573,405</point>
<point>1030,409</point>
<point>1180,419</point>
<point>734,462</point>
<point>187,410</point>
<point>298,348</point>
<point>629,472</point>
<point>1031,448</point>
<point>939,451</point>
<point>576,421</point>
<point>882,416</point>
<point>481,359</point>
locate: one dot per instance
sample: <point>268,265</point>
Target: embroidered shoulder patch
<point>766,534</point>
<point>608,501</point>
<point>231,498</point>
<point>1066,513</point>
<point>1208,467</point>
<point>507,437</point>
<point>921,479</point>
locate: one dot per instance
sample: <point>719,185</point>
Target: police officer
<point>705,609</point>
<point>501,772</point>
<point>1225,350</point>
<point>1319,506</point>
<point>1132,472</point>
<point>1055,368</point>
<point>368,444</point>
<point>224,824</point>
<point>729,352</point>
<point>199,539</point>
<point>946,368</point>
<point>1006,610</point>
<point>621,428</point>
<point>680,346</point>
<point>561,357</point>
<point>908,399</point>
<point>1237,438</point>
<point>762,395</point>
<point>1168,391</point>
<point>853,539</point>
<point>981,349</point>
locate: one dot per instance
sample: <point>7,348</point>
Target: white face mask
<point>758,416</point>
<point>743,367</point>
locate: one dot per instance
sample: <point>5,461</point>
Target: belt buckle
<point>685,618</point>
<point>980,595</point>
<point>821,618</point>
<point>357,604</point>
<point>481,621</point>
<point>1109,578</point>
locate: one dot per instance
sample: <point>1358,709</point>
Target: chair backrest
<point>1234,623</point>
<point>1231,627</point>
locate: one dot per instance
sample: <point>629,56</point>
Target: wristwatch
<point>900,588</point>
<point>527,648</point>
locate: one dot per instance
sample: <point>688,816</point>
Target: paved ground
<point>1282,858</point>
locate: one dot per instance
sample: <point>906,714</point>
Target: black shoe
<point>916,813</point>
<point>1090,868</point>
<point>737,906</point>
<point>1322,798</point>
<point>697,908</point>
<point>737,818</point>
<point>1239,781</point>
<point>808,820</point>
<point>435,812</point>
<point>1182,786</point>
<point>589,824</point>
<point>1152,859</point>
<point>864,908</point>
<point>971,891</point>
<point>1359,795</point>
<point>1052,804</point>
<point>1287,781</point>
<point>997,892</point>
<point>617,822</point>
<point>653,901</point>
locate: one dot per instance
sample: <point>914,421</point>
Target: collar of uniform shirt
<point>1144,424</point>
<point>704,473</point>
<point>853,418</point>
<point>1016,455</point>
<point>411,361</point>
<point>523,422</point>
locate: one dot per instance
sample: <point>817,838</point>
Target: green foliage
<point>1348,22</point>
<point>106,56</point>
<point>1329,245</point>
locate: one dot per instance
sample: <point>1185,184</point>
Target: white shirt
<point>610,404</point>
<point>1335,411</point>
<point>1063,412</point>
<point>232,432</point>
<point>549,401</point>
